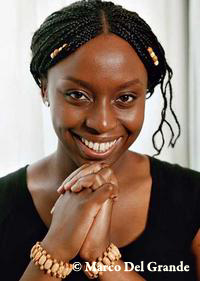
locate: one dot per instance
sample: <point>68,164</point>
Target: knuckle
<point>108,175</point>
<point>83,182</point>
<point>97,167</point>
<point>108,172</point>
<point>107,187</point>
<point>115,187</point>
<point>114,181</point>
<point>110,187</point>
<point>98,178</point>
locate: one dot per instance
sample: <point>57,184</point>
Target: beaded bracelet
<point>110,256</point>
<point>58,269</point>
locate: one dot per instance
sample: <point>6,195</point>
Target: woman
<point>95,62</point>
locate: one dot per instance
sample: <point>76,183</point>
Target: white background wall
<point>26,133</point>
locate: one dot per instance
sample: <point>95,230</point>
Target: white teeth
<point>90,144</point>
<point>102,146</point>
<point>107,145</point>
<point>113,142</point>
<point>99,147</point>
<point>96,146</point>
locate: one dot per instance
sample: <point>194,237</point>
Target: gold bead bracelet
<point>110,256</point>
<point>58,269</point>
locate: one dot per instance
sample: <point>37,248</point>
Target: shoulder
<point>179,191</point>
<point>11,179</point>
<point>181,182</point>
<point>175,173</point>
<point>8,189</point>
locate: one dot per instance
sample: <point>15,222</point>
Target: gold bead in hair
<point>57,51</point>
<point>153,56</point>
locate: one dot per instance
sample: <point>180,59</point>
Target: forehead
<point>106,57</point>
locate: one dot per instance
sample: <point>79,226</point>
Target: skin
<point>104,73</point>
<point>110,105</point>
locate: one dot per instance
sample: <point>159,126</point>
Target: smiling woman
<point>93,201</point>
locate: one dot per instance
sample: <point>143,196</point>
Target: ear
<point>44,91</point>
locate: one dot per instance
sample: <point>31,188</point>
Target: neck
<point>61,164</point>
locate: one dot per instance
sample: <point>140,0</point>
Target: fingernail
<point>74,188</point>
<point>69,184</point>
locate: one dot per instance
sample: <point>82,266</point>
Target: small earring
<point>47,103</point>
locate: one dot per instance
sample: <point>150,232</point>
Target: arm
<point>33,273</point>
<point>196,252</point>
<point>99,236</point>
<point>121,275</point>
<point>72,218</point>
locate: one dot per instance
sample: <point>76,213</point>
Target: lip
<point>89,153</point>
<point>96,139</point>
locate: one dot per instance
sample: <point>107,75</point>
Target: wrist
<point>93,254</point>
<point>48,264</point>
<point>104,261</point>
<point>55,249</point>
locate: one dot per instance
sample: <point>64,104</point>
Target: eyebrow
<point>119,88</point>
<point>129,83</point>
<point>80,82</point>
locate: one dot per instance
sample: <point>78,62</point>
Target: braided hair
<point>66,30</point>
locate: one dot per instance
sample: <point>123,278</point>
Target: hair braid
<point>81,21</point>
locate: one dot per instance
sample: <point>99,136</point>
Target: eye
<point>77,95</point>
<point>126,99</point>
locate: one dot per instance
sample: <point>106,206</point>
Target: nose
<point>101,118</point>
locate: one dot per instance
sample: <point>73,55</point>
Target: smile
<point>96,150</point>
<point>98,147</point>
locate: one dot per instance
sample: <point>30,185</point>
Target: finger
<point>99,181</point>
<point>92,181</point>
<point>71,176</point>
<point>104,215</point>
<point>91,169</point>
<point>102,193</point>
<point>109,176</point>
<point>106,172</point>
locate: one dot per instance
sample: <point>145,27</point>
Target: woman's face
<point>97,100</point>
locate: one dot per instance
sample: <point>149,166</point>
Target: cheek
<point>65,116</point>
<point>133,120</point>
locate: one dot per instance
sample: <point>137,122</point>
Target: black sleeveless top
<point>172,223</point>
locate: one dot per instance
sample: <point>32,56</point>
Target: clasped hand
<point>82,214</point>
